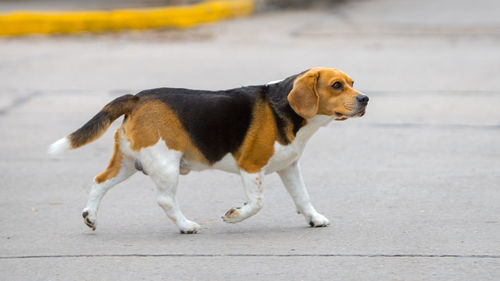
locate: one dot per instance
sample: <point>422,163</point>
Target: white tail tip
<point>59,147</point>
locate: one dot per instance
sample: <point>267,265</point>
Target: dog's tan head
<point>326,91</point>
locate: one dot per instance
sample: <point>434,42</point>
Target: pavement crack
<point>258,255</point>
<point>434,126</point>
<point>19,101</point>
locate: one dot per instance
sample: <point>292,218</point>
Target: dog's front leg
<point>252,183</point>
<point>292,179</point>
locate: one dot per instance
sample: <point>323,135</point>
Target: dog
<point>251,131</point>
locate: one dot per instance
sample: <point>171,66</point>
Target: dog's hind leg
<point>163,166</point>
<point>119,169</point>
<point>252,183</point>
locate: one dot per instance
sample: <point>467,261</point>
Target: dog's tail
<point>96,126</point>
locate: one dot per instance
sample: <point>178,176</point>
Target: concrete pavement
<point>412,188</point>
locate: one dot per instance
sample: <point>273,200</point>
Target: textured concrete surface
<point>412,188</point>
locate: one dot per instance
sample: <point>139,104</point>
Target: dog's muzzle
<point>361,107</point>
<point>362,100</point>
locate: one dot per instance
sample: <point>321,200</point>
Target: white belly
<point>227,164</point>
<point>282,157</point>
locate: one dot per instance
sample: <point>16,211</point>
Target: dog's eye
<point>337,86</point>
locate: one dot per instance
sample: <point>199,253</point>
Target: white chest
<point>283,156</point>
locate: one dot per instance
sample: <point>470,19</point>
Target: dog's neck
<point>277,93</point>
<point>311,127</point>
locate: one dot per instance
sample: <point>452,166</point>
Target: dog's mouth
<point>340,116</point>
<point>358,113</point>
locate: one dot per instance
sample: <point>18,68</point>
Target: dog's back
<point>215,121</point>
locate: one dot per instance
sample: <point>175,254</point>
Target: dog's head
<point>326,91</point>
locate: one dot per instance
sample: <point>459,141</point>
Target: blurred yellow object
<point>60,22</point>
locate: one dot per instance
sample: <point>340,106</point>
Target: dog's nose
<point>362,99</point>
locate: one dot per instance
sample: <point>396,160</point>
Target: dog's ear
<point>303,97</point>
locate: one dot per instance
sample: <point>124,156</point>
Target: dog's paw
<point>318,220</point>
<point>188,227</point>
<point>232,215</point>
<point>89,219</point>
<point>184,171</point>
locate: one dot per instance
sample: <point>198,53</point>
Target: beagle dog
<point>251,131</point>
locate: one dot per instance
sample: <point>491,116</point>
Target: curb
<point>60,22</point>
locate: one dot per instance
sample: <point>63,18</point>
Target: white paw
<point>89,218</point>
<point>232,216</point>
<point>188,227</point>
<point>318,220</point>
